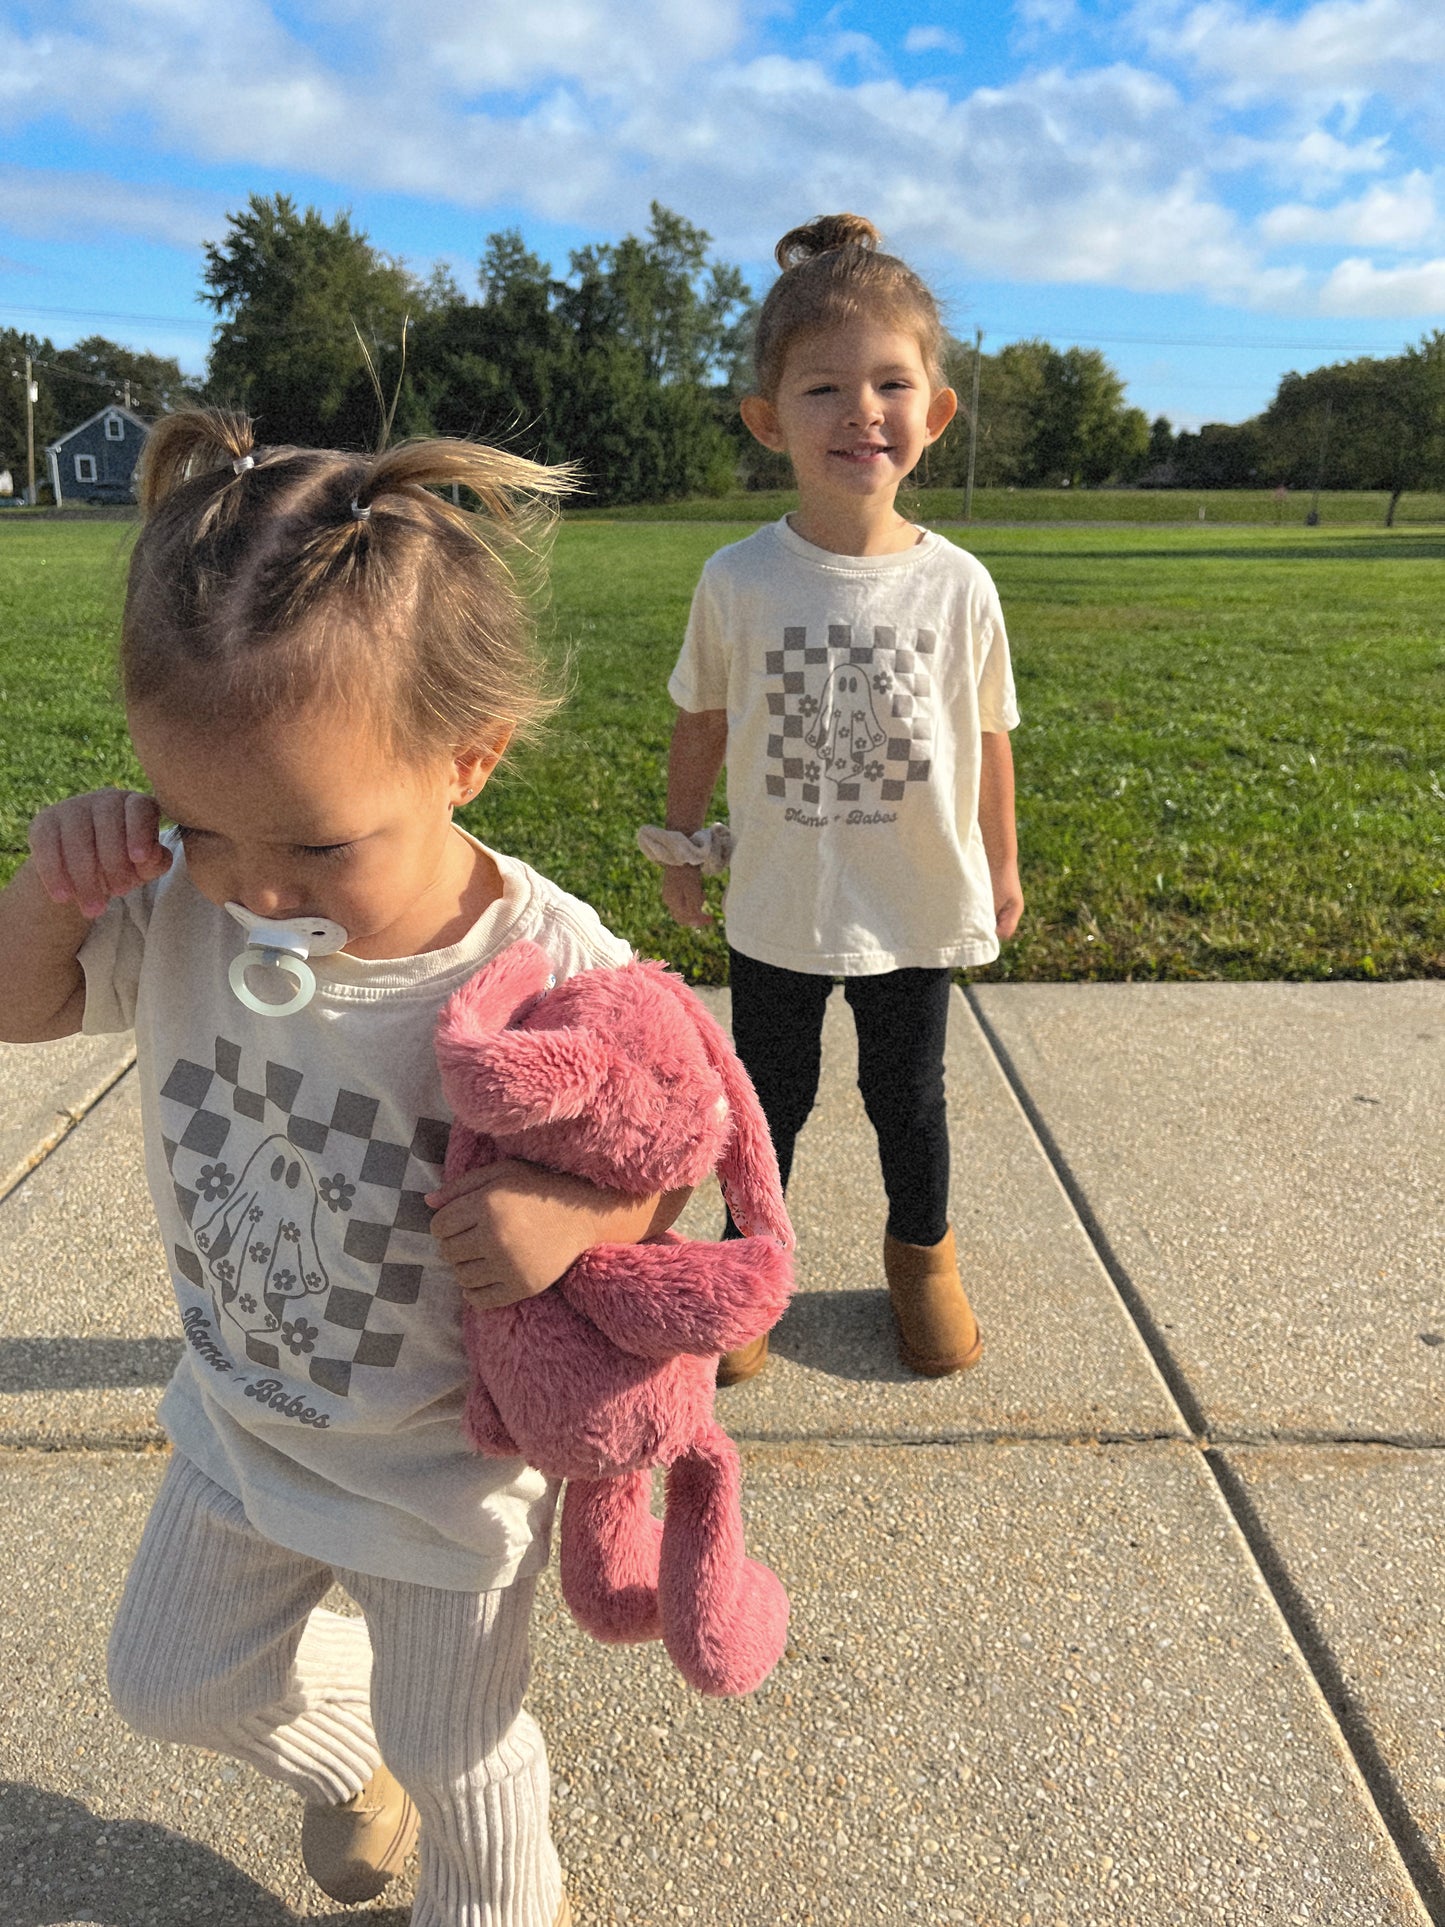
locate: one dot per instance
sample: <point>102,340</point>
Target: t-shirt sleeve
<point>700,680</point>
<point>110,959</point>
<point>997,704</point>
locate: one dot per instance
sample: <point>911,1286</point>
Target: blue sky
<point>1211,191</point>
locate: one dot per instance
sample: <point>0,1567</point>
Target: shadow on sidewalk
<point>845,1334</point>
<point>85,1364</point>
<point>63,1863</point>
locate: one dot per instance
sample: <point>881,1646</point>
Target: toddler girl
<point>321,659</point>
<point>853,671</point>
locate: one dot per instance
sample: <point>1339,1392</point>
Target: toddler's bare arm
<point>83,852</point>
<point>510,1229</point>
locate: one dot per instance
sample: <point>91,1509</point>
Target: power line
<point>1226,341</point>
<point>1020,328</point>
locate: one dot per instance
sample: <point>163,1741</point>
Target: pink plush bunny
<point>620,1076</point>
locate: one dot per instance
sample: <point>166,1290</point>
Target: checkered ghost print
<point>853,716</point>
<point>284,1203</point>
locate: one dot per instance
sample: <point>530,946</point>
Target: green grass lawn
<point>939,506</point>
<point>1230,763</point>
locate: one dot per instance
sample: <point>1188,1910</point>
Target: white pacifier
<point>277,949</point>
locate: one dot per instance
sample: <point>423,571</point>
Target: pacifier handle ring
<point>296,968</point>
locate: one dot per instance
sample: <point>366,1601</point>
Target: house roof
<point>111,408</point>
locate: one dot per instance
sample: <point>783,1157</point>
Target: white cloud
<point>71,206</point>
<point>1402,216</point>
<point>1052,16</point>
<point>1107,175</point>
<point>1341,50</point>
<point>1357,287</point>
<point>1319,155</point>
<point>927,40</point>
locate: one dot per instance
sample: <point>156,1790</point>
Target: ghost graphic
<point>259,1246</point>
<point>846,731</point>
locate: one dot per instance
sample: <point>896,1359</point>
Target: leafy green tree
<point>617,366</point>
<point>1373,423</point>
<point>1046,416</point>
<point>1220,455</point>
<point>83,379</point>
<point>1161,441</point>
<point>298,297</point>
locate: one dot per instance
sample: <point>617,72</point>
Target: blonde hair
<point>834,271</point>
<point>264,577</point>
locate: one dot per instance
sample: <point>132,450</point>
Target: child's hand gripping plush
<point>621,1077</point>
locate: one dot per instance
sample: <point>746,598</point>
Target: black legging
<point>901,1017</point>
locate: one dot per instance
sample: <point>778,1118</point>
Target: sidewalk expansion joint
<point>66,1121</point>
<point>1351,1720</point>
<point>1140,1316</point>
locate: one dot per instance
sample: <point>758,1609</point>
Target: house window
<point>85,468</point>
<point>114,429</point>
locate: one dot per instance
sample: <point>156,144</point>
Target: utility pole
<point>973,424</point>
<point>32,395</point>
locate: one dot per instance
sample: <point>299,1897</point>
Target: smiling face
<point>853,412</point>
<point>313,813</point>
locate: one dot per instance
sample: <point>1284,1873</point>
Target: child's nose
<point>267,897</point>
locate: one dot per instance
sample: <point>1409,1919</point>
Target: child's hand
<point>1008,902</point>
<point>91,848</point>
<point>511,1229</point>
<point>682,894</point>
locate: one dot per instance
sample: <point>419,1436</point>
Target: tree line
<point>632,361</point>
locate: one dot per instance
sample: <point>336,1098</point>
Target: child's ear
<point>941,410</point>
<point>472,767</point>
<point>762,421</point>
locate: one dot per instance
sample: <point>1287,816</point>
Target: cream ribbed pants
<point>220,1642</point>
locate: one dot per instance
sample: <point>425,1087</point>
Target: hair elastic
<point>242,463</point>
<point>358,512</point>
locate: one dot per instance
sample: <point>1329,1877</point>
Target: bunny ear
<point>748,1167</point>
<point>498,996</point>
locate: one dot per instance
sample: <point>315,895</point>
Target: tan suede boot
<point>746,1362</point>
<point>353,1850</point>
<point>937,1331</point>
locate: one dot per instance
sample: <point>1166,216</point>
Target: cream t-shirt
<point>323,1379</point>
<point>856,690</point>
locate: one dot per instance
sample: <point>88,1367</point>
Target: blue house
<point>96,462</point>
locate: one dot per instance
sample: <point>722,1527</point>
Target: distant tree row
<point>632,362</point>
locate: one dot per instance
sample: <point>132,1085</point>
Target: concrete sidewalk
<point>1139,1623</point>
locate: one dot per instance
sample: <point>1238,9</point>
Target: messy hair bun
<point>822,235</point>
<point>834,272</point>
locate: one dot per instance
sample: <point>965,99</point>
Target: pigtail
<point>189,444</point>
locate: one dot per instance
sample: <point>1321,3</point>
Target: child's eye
<point>328,852</point>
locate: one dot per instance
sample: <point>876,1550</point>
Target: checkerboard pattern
<point>901,688</point>
<point>305,1223</point>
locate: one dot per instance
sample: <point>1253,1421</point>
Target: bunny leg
<point>610,1549</point>
<point>724,1616</point>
